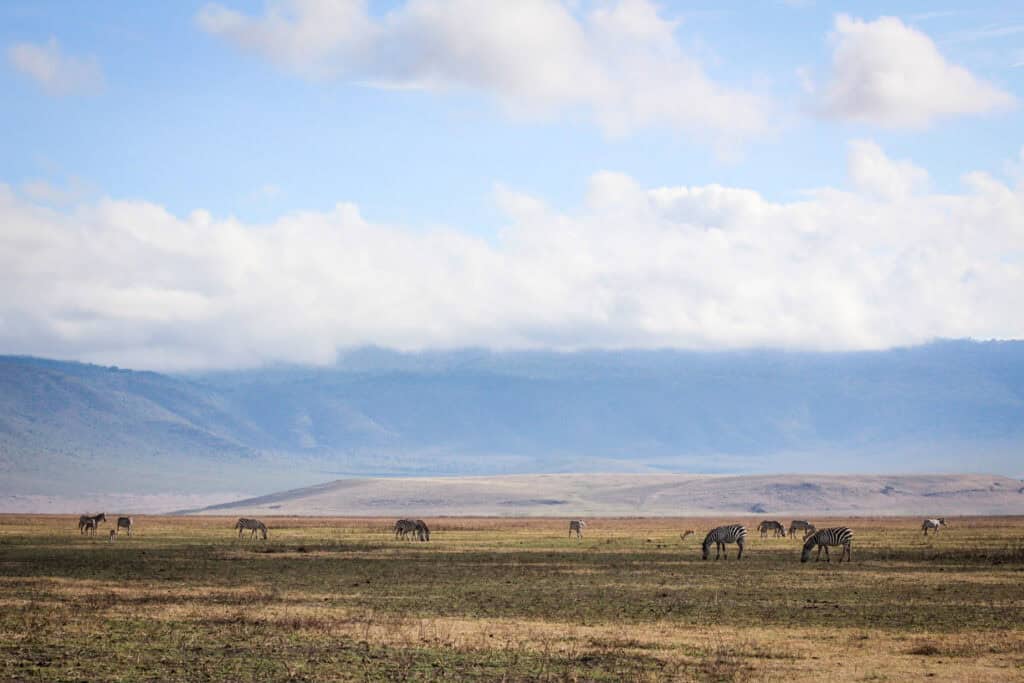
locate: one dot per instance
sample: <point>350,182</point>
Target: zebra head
<point>808,546</point>
<point>942,521</point>
<point>705,549</point>
<point>102,517</point>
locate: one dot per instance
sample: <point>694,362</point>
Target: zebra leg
<point>827,558</point>
<point>739,555</point>
<point>817,557</point>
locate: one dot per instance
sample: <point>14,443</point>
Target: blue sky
<point>216,108</point>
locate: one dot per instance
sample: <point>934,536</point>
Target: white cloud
<point>872,171</point>
<point>889,74</point>
<point>54,71</point>
<point>619,61</point>
<point>126,282</point>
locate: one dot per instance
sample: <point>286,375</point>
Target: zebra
<point>934,524</point>
<point>252,525</point>
<point>405,528</point>
<point>113,535</point>
<point>838,535</point>
<point>88,523</point>
<point>123,523</point>
<point>577,525</point>
<point>773,526</point>
<point>732,533</point>
<point>800,525</point>
<point>422,530</point>
<point>688,532</point>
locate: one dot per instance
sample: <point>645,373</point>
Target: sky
<point>216,185</point>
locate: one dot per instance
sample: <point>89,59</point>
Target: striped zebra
<point>123,523</point>
<point>800,525</point>
<point>577,525</point>
<point>422,530</point>
<point>933,524</point>
<point>732,533</point>
<point>87,523</point>
<point>838,535</point>
<point>405,528</point>
<point>773,526</point>
<point>252,526</point>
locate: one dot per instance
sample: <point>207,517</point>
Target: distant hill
<point>944,407</point>
<point>570,495</point>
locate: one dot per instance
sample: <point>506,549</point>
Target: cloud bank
<point>619,62</point>
<point>888,74</point>
<point>55,72</point>
<point>128,283</point>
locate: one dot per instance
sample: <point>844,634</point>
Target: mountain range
<point>952,406</point>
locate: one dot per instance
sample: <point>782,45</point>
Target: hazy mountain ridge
<point>646,495</point>
<point>946,406</point>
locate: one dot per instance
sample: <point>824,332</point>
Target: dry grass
<point>499,598</point>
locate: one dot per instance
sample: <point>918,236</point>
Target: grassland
<point>505,599</point>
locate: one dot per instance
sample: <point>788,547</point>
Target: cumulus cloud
<point>872,171</point>
<point>888,74</point>
<point>55,72</point>
<point>618,61</point>
<point>127,282</point>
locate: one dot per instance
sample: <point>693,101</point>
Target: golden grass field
<point>505,599</point>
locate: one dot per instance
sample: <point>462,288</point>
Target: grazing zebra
<point>422,530</point>
<point>800,525</point>
<point>88,523</point>
<point>838,535</point>
<point>251,525</point>
<point>124,523</point>
<point>688,532</point>
<point>406,528</point>
<point>577,525</point>
<point>934,524</point>
<point>732,533</point>
<point>773,526</point>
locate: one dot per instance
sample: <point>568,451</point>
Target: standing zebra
<point>577,525</point>
<point>422,530</point>
<point>838,535</point>
<point>732,533</point>
<point>251,525</point>
<point>88,523</point>
<point>934,524</point>
<point>800,525</point>
<point>124,523</point>
<point>773,526</point>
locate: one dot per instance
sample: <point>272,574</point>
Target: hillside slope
<point>571,495</point>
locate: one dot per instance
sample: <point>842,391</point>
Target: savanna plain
<point>506,599</point>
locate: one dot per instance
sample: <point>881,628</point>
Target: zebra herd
<point>720,537</point>
<point>89,524</point>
